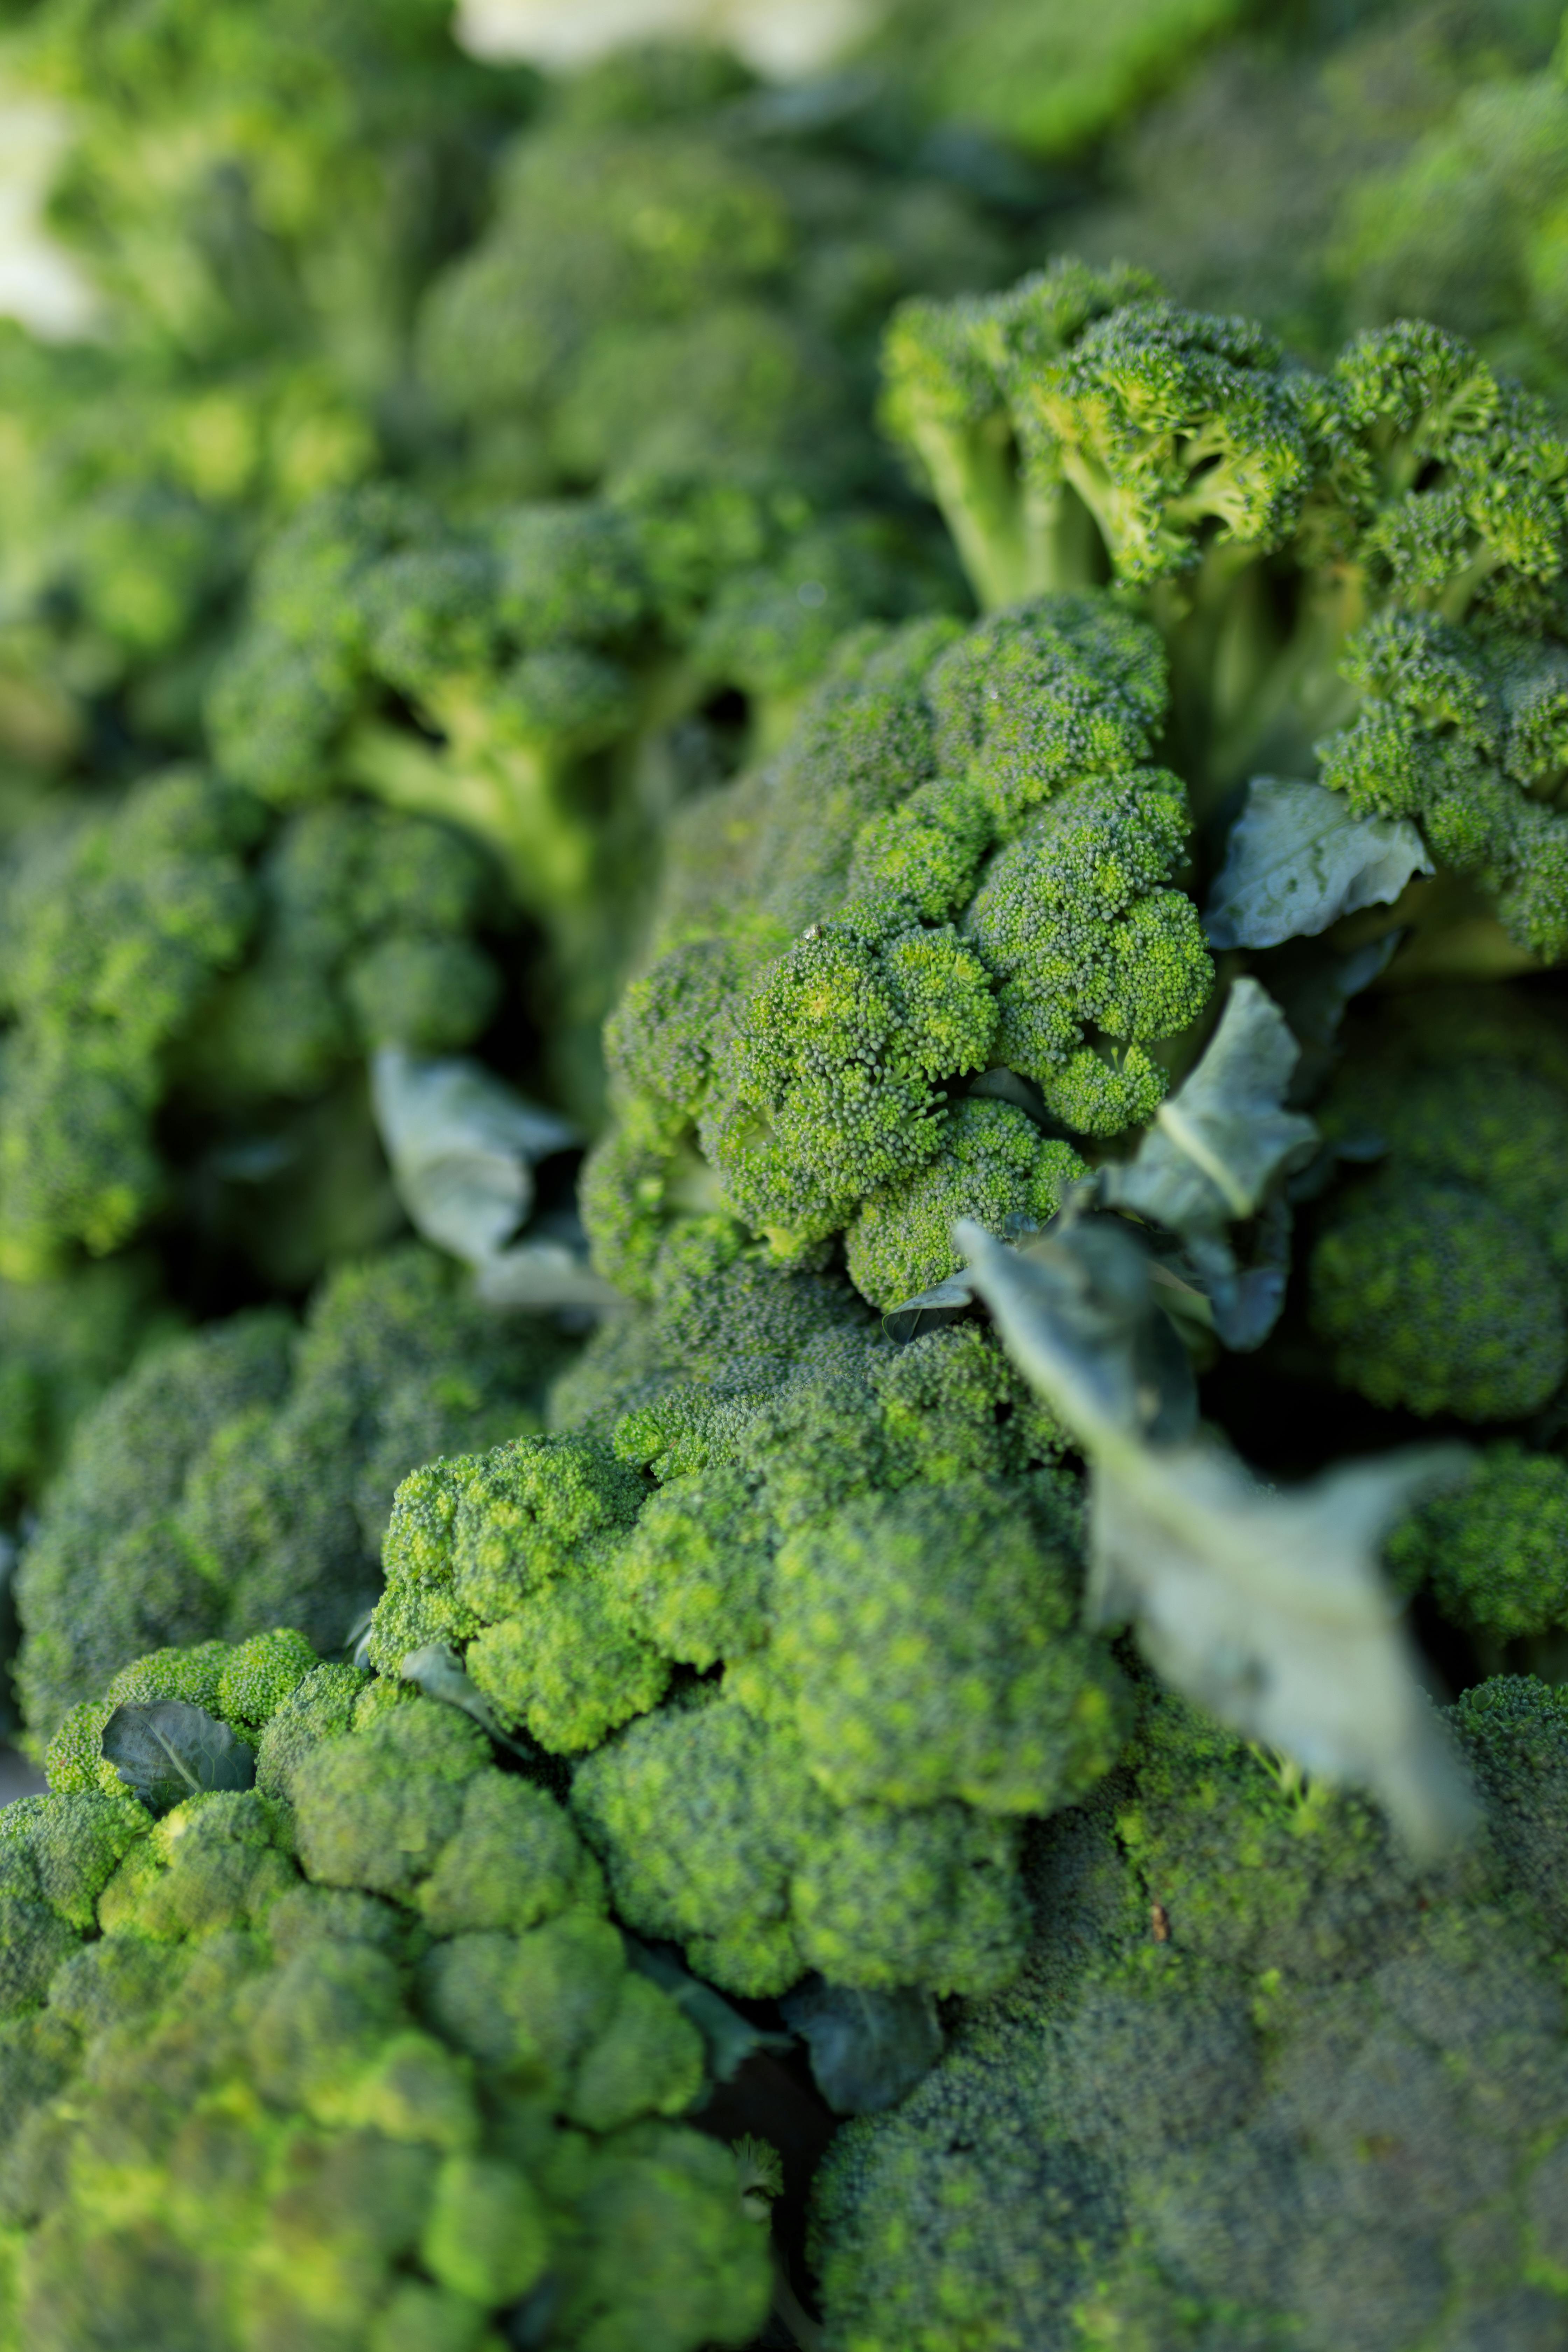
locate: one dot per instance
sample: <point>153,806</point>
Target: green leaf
<point>1297,860</point>
<point>1269,1609</point>
<point>1224,1138</point>
<point>869,2050</point>
<point>167,1750</point>
<point>462,1146</point>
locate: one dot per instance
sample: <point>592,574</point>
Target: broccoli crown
<point>152,957</point>
<point>1360,565</point>
<point>975,862</point>
<point>1254,2085</point>
<point>115,933</point>
<point>351,2055</point>
<point>657,285</point>
<point>241,1477</point>
<point>868,1552</point>
<point>1494,1553</point>
<point>1438,1280</point>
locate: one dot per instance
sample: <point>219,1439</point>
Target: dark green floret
<point>1253,2083</point>
<point>241,1477</point>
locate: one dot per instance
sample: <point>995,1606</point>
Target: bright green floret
<point>994,1164</point>
<point>977,865</point>
<point>859,1544</point>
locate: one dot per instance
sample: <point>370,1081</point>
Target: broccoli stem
<point>512,796</point>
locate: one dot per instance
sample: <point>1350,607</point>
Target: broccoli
<point>1358,565</point>
<point>1052,85</point>
<point>1436,1279</point>
<point>976,861</point>
<point>671,275</point>
<point>543,668</point>
<point>255,203</point>
<point>62,1344</point>
<point>751,1484</point>
<point>1467,226</point>
<point>1331,170</point>
<point>1494,1554</point>
<point>183,960</point>
<point>1250,2084</point>
<point>241,1476</point>
<point>296,2056</point>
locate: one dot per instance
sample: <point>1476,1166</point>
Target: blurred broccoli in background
<point>242,1474</point>
<point>182,968</point>
<point>1258,2078</point>
<point>449,2091</point>
<point>1436,1278</point>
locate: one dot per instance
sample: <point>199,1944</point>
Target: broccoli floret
<point>1249,2085</point>
<point>1438,1282</point>
<point>323,2121</point>
<point>1494,1554</point>
<point>1429,1294</point>
<point>770,1491</point>
<point>166,987</point>
<point>241,1478</point>
<point>1376,549</point>
<point>830,1085</point>
<point>925,1647</point>
<point>713,1833</point>
<point>982,867</point>
<point>115,936</point>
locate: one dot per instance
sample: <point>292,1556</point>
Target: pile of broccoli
<point>942,740</point>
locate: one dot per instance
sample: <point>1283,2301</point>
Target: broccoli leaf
<point>1218,1150</point>
<point>929,1309</point>
<point>1220,1140</point>
<point>1297,860</point>
<point>542,1273</point>
<point>169,1750</point>
<point>462,1146</point>
<point>869,2050</point>
<point>1269,1609</point>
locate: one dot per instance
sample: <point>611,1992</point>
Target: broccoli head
<point>241,1477</point>
<point>363,2062</point>
<point>1252,2083</point>
<point>978,868</point>
<point>1359,567</point>
<point>868,1556</point>
<point>1494,1553</point>
<point>1437,1280</point>
<point>183,961</point>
